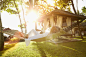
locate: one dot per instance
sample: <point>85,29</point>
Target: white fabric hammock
<point>34,35</point>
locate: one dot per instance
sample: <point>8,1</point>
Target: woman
<point>33,34</point>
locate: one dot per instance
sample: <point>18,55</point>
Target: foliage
<point>62,4</point>
<point>12,11</point>
<point>43,7</point>
<point>40,5</point>
<point>23,25</point>
<point>84,9</point>
<point>9,6</point>
<point>12,6</point>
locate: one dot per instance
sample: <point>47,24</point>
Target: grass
<point>45,49</point>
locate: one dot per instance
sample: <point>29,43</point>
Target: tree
<point>62,4</point>
<point>73,7</point>
<point>7,5</point>
<point>1,34</point>
<point>65,3</point>
<point>70,1</point>
<point>43,7</point>
<point>18,14</point>
<point>24,17</point>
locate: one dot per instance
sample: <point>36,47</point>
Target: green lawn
<point>45,49</point>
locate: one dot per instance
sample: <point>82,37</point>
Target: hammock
<point>56,32</point>
<point>35,36</point>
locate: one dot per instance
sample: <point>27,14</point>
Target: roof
<point>62,13</point>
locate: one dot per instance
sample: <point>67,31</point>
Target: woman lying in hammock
<point>30,34</point>
<point>34,35</point>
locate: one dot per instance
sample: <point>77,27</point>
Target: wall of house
<point>55,21</point>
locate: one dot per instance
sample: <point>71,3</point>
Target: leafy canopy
<point>9,6</point>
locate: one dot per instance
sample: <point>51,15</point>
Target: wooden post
<point>71,28</point>
<point>83,30</point>
<point>1,36</point>
<point>79,29</point>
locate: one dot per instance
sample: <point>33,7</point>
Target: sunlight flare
<point>32,16</point>
<point>50,2</point>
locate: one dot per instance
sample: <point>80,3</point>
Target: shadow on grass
<point>6,47</point>
<point>46,49</point>
<point>41,51</point>
<point>62,49</point>
<point>79,37</point>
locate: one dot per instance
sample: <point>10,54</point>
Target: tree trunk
<point>24,18</point>
<point>1,36</point>
<point>77,6</point>
<point>73,7</point>
<point>19,16</point>
<point>31,4</point>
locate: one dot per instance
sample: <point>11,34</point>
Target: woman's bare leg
<point>32,33</point>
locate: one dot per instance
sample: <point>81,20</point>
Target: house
<point>60,18</point>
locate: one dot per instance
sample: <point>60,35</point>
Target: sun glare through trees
<point>32,16</point>
<point>50,2</point>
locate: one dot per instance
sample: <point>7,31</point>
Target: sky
<point>12,21</point>
<point>80,4</point>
